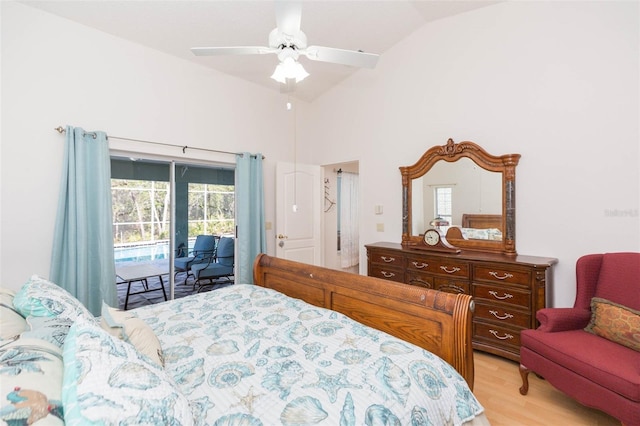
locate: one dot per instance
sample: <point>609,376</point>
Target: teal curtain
<point>251,234</point>
<point>82,256</point>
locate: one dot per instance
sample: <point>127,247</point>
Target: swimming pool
<point>144,251</point>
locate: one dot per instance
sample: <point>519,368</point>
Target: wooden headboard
<point>436,321</point>
<point>482,221</point>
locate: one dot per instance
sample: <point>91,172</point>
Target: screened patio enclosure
<point>204,202</point>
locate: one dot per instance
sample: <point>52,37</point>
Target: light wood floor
<point>497,384</point>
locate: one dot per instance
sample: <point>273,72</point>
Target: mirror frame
<point>450,152</point>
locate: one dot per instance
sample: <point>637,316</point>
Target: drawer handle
<point>504,277</point>
<point>387,259</point>
<point>503,317</point>
<point>387,274</point>
<point>505,337</point>
<point>495,294</point>
<point>420,265</point>
<point>449,287</point>
<point>450,271</point>
<point>421,282</point>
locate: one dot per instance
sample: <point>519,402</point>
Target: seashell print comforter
<point>247,355</point>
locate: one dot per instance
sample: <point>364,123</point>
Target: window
<point>442,203</point>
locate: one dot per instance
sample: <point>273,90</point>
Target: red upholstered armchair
<point>599,372</point>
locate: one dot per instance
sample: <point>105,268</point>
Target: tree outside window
<point>211,209</point>
<point>141,210</point>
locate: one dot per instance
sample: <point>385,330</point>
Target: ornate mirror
<point>465,193</point>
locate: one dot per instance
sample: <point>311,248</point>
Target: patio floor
<point>154,295</point>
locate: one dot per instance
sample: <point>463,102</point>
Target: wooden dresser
<point>507,290</point>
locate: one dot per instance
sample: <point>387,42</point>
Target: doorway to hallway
<point>341,212</point>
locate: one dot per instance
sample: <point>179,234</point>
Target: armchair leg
<point>524,373</point>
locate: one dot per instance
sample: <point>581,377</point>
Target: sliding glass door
<point>149,231</point>
<point>205,203</point>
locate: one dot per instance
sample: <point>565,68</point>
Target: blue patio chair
<point>219,267</point>
<point>204,250</point>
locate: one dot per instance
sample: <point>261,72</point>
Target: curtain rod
<point>61,130</point>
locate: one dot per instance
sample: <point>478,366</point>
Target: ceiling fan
<point>289,42</point>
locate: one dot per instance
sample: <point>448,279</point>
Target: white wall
<point>554,81</point>
<point>56,72</point>
<point>557,82</point>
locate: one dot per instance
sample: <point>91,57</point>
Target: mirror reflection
<point>472,189</point>
<point>458,194</point>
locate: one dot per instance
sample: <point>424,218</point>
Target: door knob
<point>282,237</point>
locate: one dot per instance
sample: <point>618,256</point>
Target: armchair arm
<point>191,252</point>
<point>562,319</point>
<point>203,256</point>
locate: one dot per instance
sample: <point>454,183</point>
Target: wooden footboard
<point>436,321</point>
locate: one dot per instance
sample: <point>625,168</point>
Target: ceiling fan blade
<point>353,58</point>
<point>288,16</point>
<point>239,50</point>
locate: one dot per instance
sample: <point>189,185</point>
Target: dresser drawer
<point>387,273</point>
<point>419,279</point>
<point>437,283</point>
<point>499,273</point>
<point>420,264</point>
<point>438,266</point>
<point>507,290</point>
<point>497,335</point>
<point>503,294</point>
<point>501,315</point>
<point>452,268</point>
<point>451,286</point>
<point>385,258</point>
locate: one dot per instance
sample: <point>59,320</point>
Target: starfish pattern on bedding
<point>248,400</point>
<point>331,384</point>
<point>350,341</point>
<point>189,339</point>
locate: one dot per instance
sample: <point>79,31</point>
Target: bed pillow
<point>107,381</point>
<point>12,323</point>
<point>31,383</point>
<point>42,298</point>
<point>126,326</point>
<point>615,322</point>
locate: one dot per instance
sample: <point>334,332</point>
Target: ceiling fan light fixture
<point>289,68</point>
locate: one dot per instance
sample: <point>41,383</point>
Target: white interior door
<point>298,207</point>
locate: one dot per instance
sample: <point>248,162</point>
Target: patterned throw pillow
<point>42,298</point>
<point>126,326</point>
<point>51,329</point>
<point>31,383</point>
<point>107,381</point>
<point>615,322</point>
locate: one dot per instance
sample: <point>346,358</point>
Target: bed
<point>477,227</point>
<point>482,221</point>
<point>285,351</point>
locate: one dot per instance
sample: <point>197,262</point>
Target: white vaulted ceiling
<point>175,26</point>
